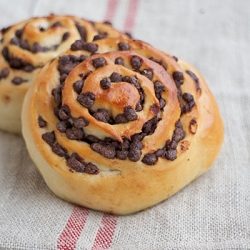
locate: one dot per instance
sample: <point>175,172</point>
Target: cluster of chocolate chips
<point>18,63</point>
<point>130,149</point>
<point>187,97</point>
<point>168,152</point>
<point>37,47</point>
<point>74,161</point>
<point>82,45</point>
<point>190,103</point>
<point>15,62</point>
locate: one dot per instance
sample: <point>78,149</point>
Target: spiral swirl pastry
<point>27,46</point>
<point>121,126</point>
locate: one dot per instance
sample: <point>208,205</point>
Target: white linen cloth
<point>212,212</point>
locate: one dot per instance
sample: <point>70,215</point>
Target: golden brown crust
<point>123,186</point>
<point>26,47</point>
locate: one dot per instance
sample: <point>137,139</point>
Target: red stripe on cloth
<point>131,15</point>
<point>111,9</point>
<point>72,231</point>
<point>106,232</point>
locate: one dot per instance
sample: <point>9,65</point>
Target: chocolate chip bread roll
<point>119,126</point>
<point>26,47</point>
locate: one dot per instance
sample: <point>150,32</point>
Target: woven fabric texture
<point>213,212</point>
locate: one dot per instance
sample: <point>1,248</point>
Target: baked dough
<point>125,129</point>
<point>27,46</point>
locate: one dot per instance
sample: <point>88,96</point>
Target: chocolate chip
<point>5,53</point>
<point>175,58</point>
<point>65,36</point>
<point>82,31</point>
<point>171,154</point>
<point>64,112</point>
<point>100,117</point>
<point>28,68</point>
<point>24,44</point>
<point>105,113</point>
<point>80,122</point>
<point>179,134</point>
<point>49,137</point>
<point>115,77</point>
<point>77,45</point>
<point>76,162</point>
<point>136,62</point>
<point>108,152</point>
<point>4,30</point>
<point>155,108</point>
<point>178,124</point>
<point>74,133</point>
<point>59,150</point>
<point>41,122</point>
<point>56,24</point>
<point>92,138</point>
<point>78,85</point>
<point>136,144</point>
<point>99,62</point>
<point>123,46</point>
<point>37,48</point>
<point>148,73</point>
<point>15,41</point>
<point>108,23</point>
<point>134,154</point>
<point>91,47</point>
<point>4,73</point>
<point>130,113</point>
<point>162,103</point>
<point>122,154</point>
<point>120,118</point>
<point>138,107</point>
<point>42,29</point>
<point>62,126</point>
<point>90,168</point>
<point>105,83</point>
<point>18,80</point>
<point>99,36</point>
<point>19,33</point>
<point>158,61</point>
<point>86,99</point>
<point>57,93</point>
<point>158,87</point>
<point>119,61</point>
<point>160,152</point>
<point>133,80</point>
<point>188,97</point>
<point>63,78</point>
<point>178,78</point>
<point>149,159</point>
